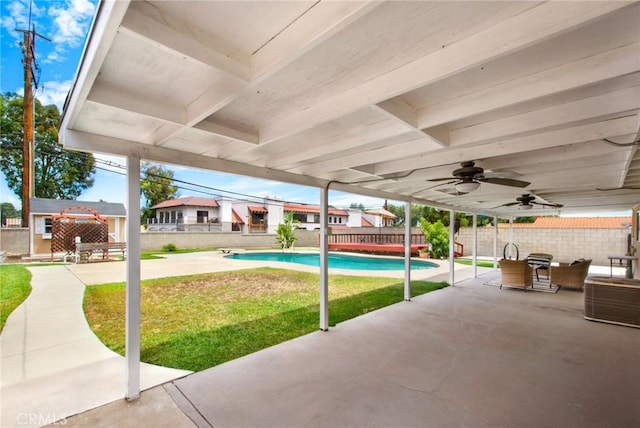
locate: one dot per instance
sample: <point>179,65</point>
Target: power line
<point>196,187</point>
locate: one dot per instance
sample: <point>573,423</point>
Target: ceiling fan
<point>524,202</point>
<point>468,177</point>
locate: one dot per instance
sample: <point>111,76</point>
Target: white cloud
<point>71,22</point>
<point>54,92</point>
<point>18,16</point>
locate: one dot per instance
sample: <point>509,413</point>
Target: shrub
<point>169,248</point>
<point>436,234</point>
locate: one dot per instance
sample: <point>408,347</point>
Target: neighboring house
<point>43,212</point>
<point>222,215</point>
<point>192,213</point>
<point>309,216</point>
<point>259,217</point>
<point>380,217</point>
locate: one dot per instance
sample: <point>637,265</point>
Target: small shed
<point>43,212</point>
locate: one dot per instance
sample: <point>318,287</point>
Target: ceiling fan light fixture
<point>467,186</point>
<point>526,207</point>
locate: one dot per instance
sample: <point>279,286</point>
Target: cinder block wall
<point>15,241</point>
<point>156,240</point>
<point>564,244</point>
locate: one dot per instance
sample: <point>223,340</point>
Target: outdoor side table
<point>629,259</point>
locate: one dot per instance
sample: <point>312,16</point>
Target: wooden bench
<point>85,250</point>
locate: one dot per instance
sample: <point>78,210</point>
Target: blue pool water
<point>337,261</point>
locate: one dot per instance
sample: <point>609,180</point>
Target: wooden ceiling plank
<point>522,30</point>
<point>320,22</point>
<point>407,115</point>
<point>243,135</point>
<point>228,60</point>
<point>112,96</point>
<point>530,143</point>
<point>103,33</point>
<point>588,71</point>
<point>593,107</point>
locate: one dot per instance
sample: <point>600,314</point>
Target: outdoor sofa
<point>570,275</point>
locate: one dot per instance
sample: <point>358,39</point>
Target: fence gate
<point>90,227</point>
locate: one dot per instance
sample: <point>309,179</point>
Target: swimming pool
<point>337,261</point>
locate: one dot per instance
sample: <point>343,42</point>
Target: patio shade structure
<point>376,98</point>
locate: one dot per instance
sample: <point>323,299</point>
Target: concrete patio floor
<point>469,355</point>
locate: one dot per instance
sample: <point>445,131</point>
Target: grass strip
<point>15,286</point>
<point>199,321</point>
<point>480,263</point>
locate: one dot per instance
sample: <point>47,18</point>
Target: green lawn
<point>15,286</point>
<point>480,263</point>
<point>199,321</point>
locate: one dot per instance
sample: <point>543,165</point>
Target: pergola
<point>385,99</point>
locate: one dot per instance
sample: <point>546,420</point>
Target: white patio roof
<point>377,98</point>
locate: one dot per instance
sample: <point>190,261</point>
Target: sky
<point>66,23</point>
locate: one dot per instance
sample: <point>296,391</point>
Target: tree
<point>58,173</point>
<point>437,235</point>
<point>7,210</point>
<point>419,212</point>
<point>156,186</point>
<point>356,206</point>
<point>285,234</point>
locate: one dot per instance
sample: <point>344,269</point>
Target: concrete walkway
<point>53,365</point>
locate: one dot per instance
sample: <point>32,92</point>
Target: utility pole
<point>28,60</point>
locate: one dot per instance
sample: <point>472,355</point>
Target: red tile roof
<point>365,223</point>
<point>257,209</point>
<point>191,201</point>
<point>574,223</point>
<point>235,218</point>
<point>312,209</point>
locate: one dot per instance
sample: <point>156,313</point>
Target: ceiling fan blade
<point>548,205</point>
<point>510,204</point>
<point>607,189</point>
<point>505,181</point>
<point>433,187</point>
<point>443,179</point>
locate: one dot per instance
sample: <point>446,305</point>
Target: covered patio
<point>469,355</point>
<point>464,106</point>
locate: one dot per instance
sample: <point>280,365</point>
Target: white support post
<point>474,249</point>
<point>511,243</point>
<point>452,235</point>
<point>132,317</point>
<point>407,251</point>
<point>495,243</point>
<point>324,259</point>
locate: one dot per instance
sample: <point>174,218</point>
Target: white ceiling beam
<point>558,115</point>
<point>213,53</point>
<point>522,30</point>
<point>352,138</point>
<point>82,141</point>
<point>243,135</point>
<point>99,41</point>
<point>387,152</point>
<point>608,65</point>
<point>318,24</point>
<point>112,96</point>
<point>578,134</point>
<point>407,115</point>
